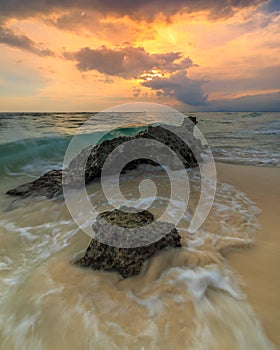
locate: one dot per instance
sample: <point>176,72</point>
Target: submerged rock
<point>79,172</point>
<point>127,261</point>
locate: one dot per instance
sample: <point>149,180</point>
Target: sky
<point>89,55</point>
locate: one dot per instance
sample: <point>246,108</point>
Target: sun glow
<point>154,73</point>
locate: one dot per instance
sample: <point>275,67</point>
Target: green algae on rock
<point>150,239</point>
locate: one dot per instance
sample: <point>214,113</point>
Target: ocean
<point>187,299</point>
<point>32,143</point>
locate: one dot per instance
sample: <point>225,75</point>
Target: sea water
<point>183,299</point>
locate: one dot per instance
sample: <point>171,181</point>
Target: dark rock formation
<point>127,261</point>
<point>48,185</point>
<point>88,165</point>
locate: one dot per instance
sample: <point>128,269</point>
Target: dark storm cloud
<point>146,9</point>
<point>20,41</point>
<point>181,87</point>
<point>127,62</point>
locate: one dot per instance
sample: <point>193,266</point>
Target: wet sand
<point>258,266</point>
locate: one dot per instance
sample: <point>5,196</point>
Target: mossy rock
<point>128,217</point>
<point>149,238</point>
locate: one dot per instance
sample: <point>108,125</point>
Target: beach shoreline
<point>258,266</point>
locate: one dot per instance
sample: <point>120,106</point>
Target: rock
<point>50,184</point>
<point>127,261</point>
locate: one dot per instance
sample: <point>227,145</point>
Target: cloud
<point>137,9</point>
<point>134,62</point>
<point>267,78</point>
<point>21,41</point>
<point>164,73</point>
<point>252,103</point>
<point>127,62</point>
<point>181,87</point>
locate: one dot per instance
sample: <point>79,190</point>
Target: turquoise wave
<point>129,131</point>
<point>36,155</point>
<point>14,156</point>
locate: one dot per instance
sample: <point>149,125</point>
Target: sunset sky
<point>88,55</point>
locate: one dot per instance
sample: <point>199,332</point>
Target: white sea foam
<point>153,304</point>
<point>199,279</point>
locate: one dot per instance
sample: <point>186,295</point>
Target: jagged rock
<point>77,173</point>
<point>127,261</point>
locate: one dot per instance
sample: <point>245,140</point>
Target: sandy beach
<point>258,266</point>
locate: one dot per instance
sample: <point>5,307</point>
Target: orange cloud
<point>92,54</point>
